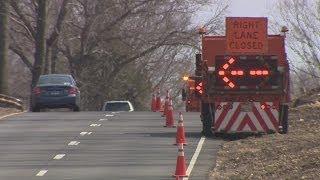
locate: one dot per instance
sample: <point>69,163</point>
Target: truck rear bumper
<point>235,117</point>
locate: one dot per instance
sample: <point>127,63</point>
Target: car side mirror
<point>184,94</point>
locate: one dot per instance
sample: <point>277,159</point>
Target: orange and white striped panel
<point>246,117</point>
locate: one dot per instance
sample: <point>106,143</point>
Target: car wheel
<point>76,109</point>
<point>35,109</point>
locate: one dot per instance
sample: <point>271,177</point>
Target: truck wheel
<point>207,116</point>
<point>284,118</point>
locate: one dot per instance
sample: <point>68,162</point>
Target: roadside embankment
<point>295,155</point>
<point>10,102</point>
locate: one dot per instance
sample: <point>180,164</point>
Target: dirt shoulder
<point>295,155</point>
<point>8,111</point>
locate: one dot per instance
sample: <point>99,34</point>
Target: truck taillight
<point>36,91</point>
<point>73,90</point>
<point>199,88</point>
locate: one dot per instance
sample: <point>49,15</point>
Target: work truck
<point>242,78</point>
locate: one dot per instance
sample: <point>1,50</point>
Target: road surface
<point>98,146</point>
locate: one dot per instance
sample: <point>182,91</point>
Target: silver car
<point>118,106</point>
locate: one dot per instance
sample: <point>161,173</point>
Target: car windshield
<point>117,106</point>
<point>65,80</point>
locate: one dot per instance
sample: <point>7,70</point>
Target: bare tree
<point>40,50</point>
<point>34,40</point>
<point>303,40</point>
<point>4,6</point>
<point>112,47</point>
<point>106,37</point>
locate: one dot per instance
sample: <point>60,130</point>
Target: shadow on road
<point>216,136</point>
<point>234,136</point>
<point>168,134</point>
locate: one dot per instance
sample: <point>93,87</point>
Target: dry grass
<point>295,155</point>
<point>7,111</point>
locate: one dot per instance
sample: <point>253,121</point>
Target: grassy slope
<point>295,155</point>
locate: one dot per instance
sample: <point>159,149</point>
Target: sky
<point>240,8</point>
<point>250,8</point>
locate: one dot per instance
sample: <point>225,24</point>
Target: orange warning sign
<point>246,35</point>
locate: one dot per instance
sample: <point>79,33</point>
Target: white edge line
<point>59,156</point>
<point>83,133</point>
<point>73,143</point>
<point>195,156</point>
<point>2,117</point>
<point>42,172</point>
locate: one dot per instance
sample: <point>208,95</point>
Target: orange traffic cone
<point>153,103</point>
<point>169,115</point>
<point>180,137</point>
<point>158,100</point>
<point>181,170</point>
<point>166,102</point>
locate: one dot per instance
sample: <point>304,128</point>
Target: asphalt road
<point>98,146</point>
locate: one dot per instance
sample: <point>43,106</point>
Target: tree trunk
<point>40,43</point>
<point>4,6</point>
<point>54,57</point>
<point>47,64</point>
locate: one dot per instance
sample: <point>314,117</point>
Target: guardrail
<point>11,102</point>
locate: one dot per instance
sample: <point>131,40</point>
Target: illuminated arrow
<point>233,73</point>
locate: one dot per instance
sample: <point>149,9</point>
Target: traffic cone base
<point>181,169</point>
<point>180,176</point>
<point>184,144</point>
<point>173,126</point>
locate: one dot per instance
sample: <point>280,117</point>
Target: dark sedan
<point>55,91</point>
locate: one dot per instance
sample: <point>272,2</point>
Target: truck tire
<point>284,118</point>
<point>207,117</point>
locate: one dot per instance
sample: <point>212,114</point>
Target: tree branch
<point>27,23</point>
<point>54,35</point>
<point>24,59</point>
